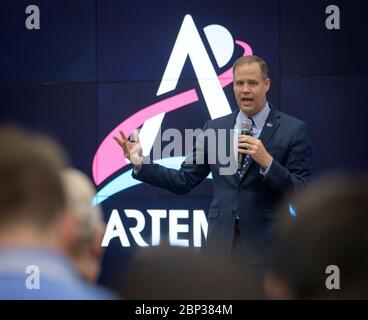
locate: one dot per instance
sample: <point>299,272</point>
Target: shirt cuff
<point>264,171</point>
<point>136,169</point>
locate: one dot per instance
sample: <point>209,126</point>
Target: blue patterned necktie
<point>247,160</point>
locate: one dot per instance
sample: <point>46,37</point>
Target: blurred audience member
<point>87,253</point>
<point>37,230</point>
<point>165,273</point>
<point>323,250</point>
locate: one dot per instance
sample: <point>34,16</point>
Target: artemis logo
<point>109,158</point>
<point>115,227</point>
<point>188,45</point>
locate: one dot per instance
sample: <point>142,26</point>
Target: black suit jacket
<point>255,197</point>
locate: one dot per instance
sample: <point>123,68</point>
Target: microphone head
<point>247,125</point>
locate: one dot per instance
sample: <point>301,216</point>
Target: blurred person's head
<point>181,273</point>
<point>32,200</point>
<point>87,252</point>
<point>330,229</point>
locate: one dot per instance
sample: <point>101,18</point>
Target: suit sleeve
<point>296,172</point>
<point>192,172</point>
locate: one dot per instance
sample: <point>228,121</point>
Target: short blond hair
<point>79,194</point>
<point>251,59</point>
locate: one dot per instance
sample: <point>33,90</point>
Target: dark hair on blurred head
<point>30,183</point>
<point>331,228</point>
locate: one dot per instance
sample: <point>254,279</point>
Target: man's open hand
<point>132,150</point>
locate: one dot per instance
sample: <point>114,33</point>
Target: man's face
<point>250,89</point>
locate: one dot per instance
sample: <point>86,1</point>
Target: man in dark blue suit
<point>276,160</point>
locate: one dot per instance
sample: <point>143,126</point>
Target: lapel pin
<point>268,124</point>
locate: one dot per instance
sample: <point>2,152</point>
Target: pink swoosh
<point>109,158</point>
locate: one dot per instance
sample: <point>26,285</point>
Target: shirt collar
<point>259,119</point>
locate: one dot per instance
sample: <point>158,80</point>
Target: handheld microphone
<point>246,130</point>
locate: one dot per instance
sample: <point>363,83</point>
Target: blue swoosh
<point>126,181</point>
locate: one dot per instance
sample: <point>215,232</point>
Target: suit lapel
<point>270,126</point>
<point>229,124</point>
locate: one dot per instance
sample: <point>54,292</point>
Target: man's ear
<point>267,84</point>
<point>276,288</point>
<point>69,231</point>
